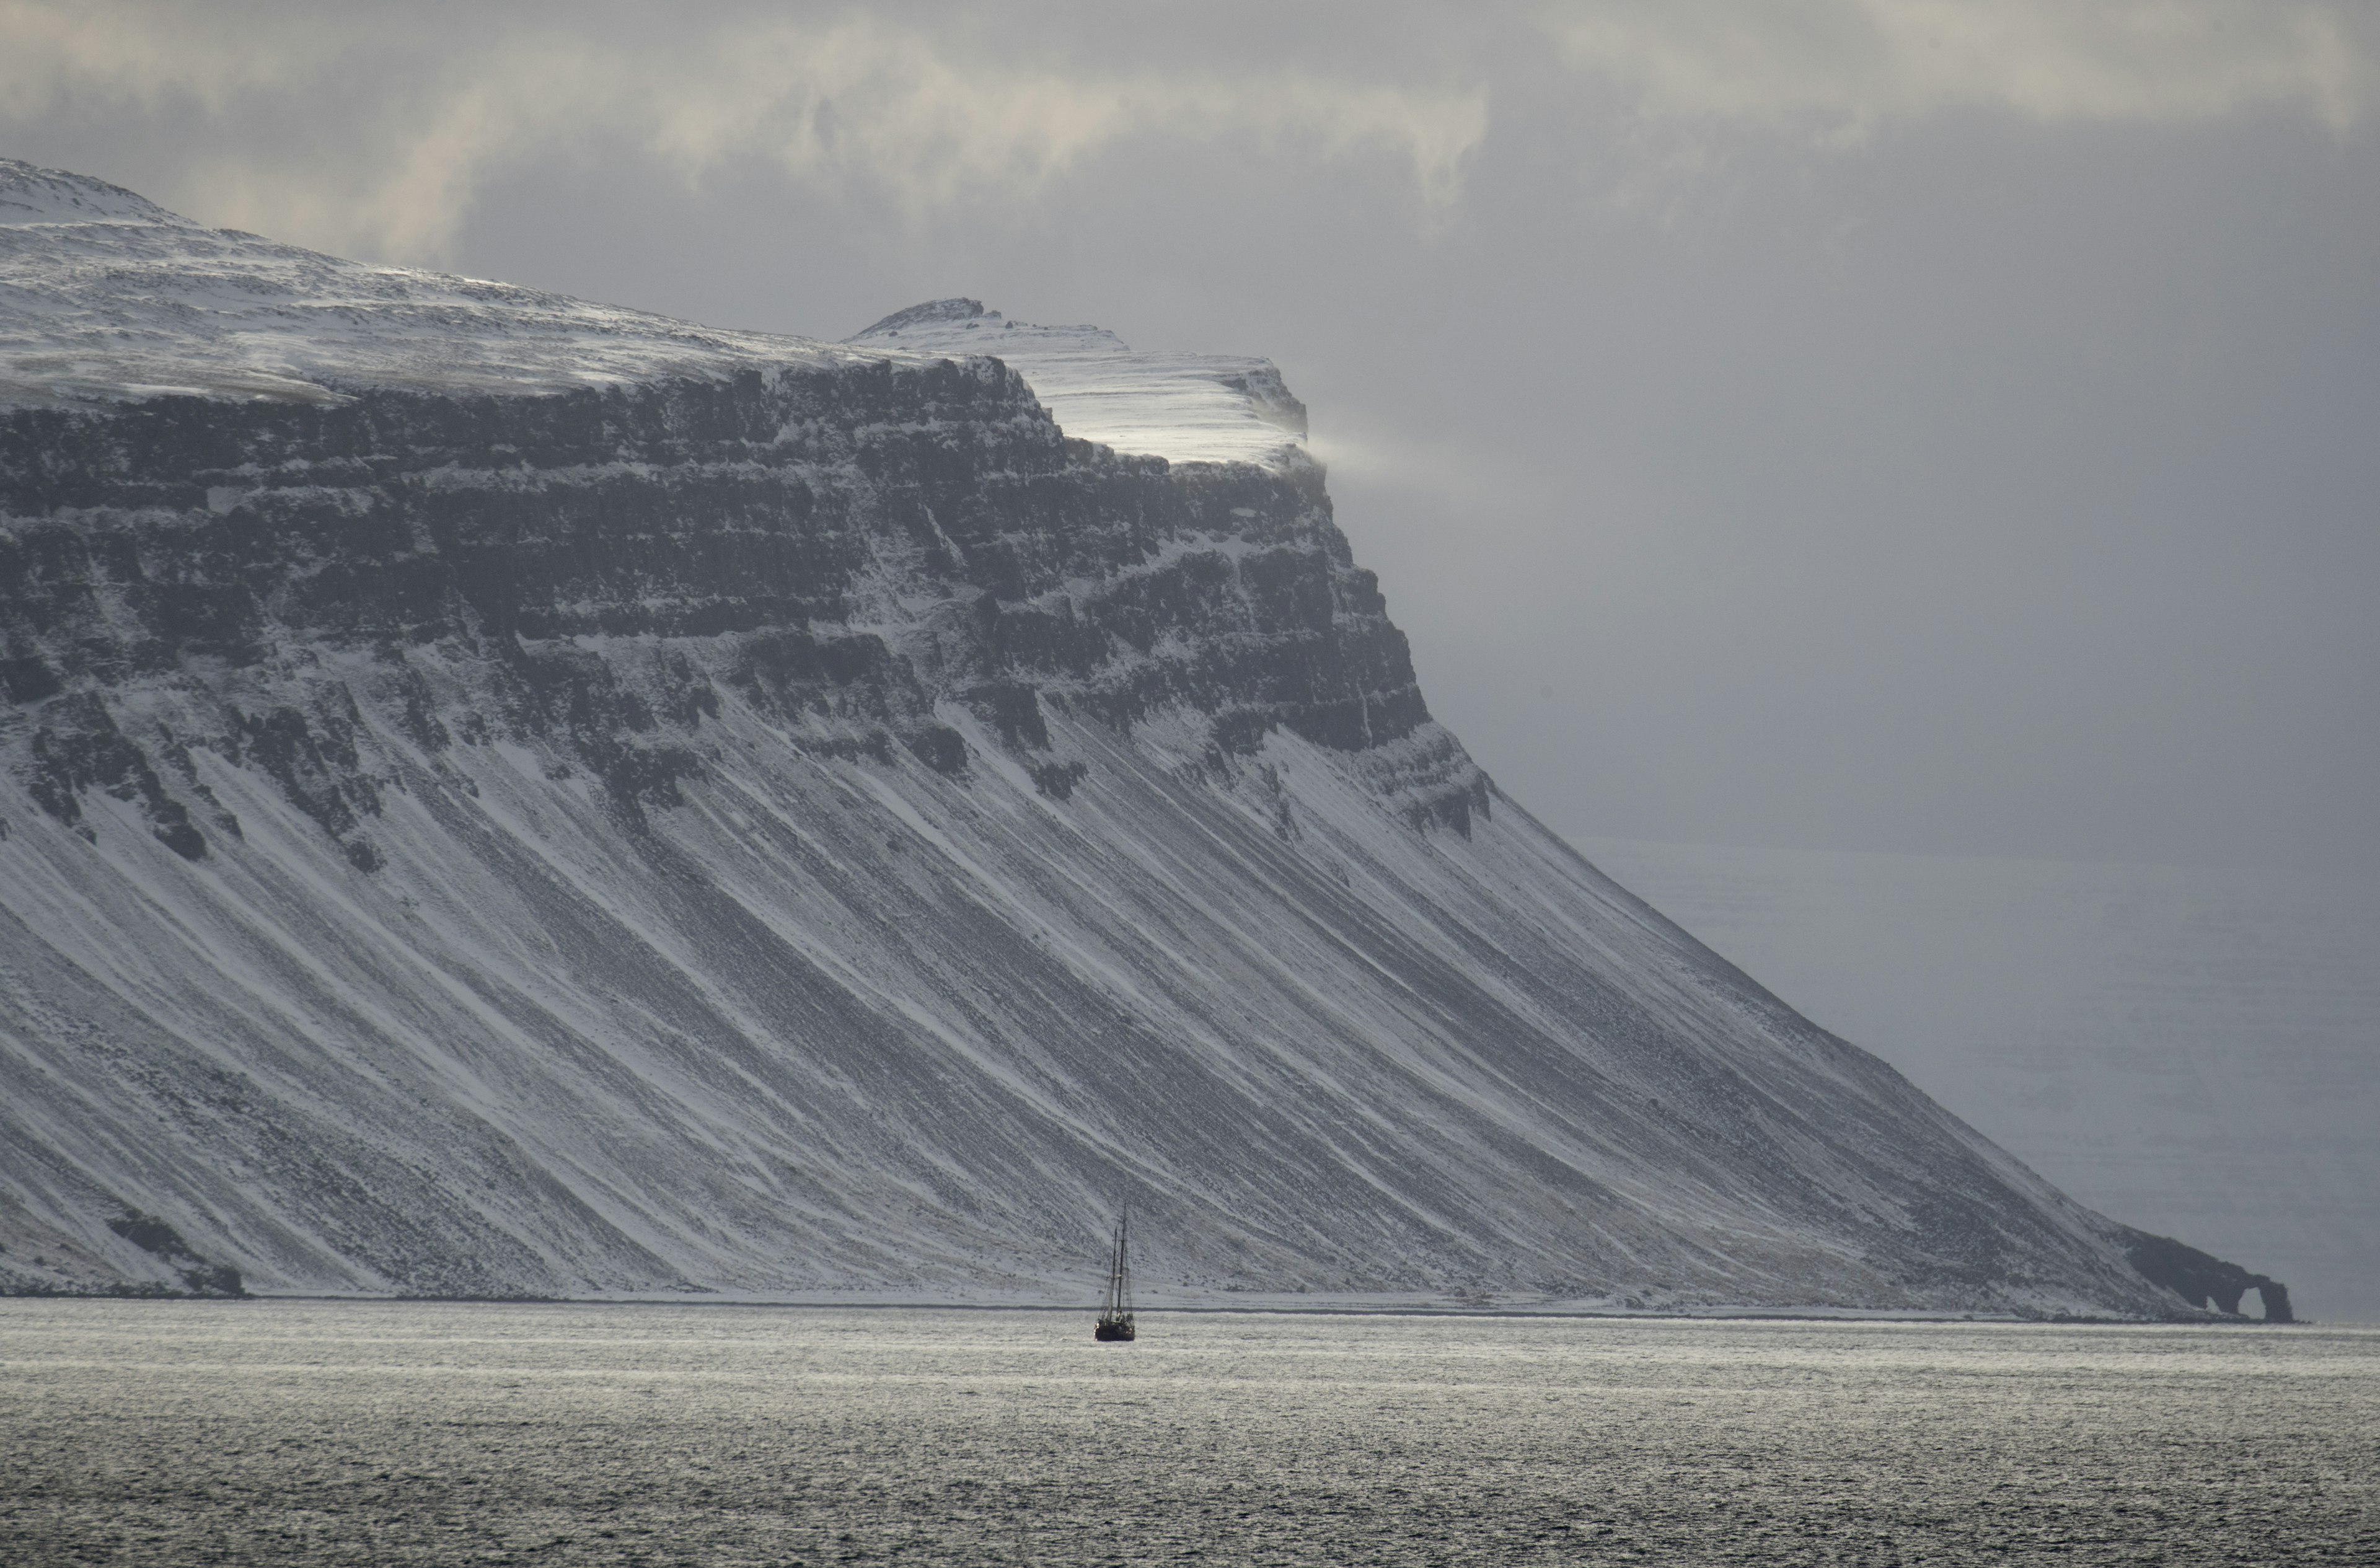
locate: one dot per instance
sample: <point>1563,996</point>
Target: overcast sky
<point>1865,425</point>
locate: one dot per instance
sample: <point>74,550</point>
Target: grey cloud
<point>932,114</point>
<point>931,111</point>
<point>1842,66</point>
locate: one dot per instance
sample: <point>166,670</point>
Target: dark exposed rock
<point>1057,779</point>
<point>150,1234</point>
<point>200,1276</point>
<point>1012,709</point>
<point>727,530</point>
<point>419,710</point>
<point>28,679</point>
<point>315,764</point>
<point>939,747</point>
<point>2203,1280</point>
<point>77,747</point>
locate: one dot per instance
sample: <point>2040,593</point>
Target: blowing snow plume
<point>508,795</point>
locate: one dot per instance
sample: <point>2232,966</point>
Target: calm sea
<point>263,1433</point>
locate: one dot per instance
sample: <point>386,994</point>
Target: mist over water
<point>268,1432</point>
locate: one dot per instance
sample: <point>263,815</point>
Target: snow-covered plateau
<point>504,796</point>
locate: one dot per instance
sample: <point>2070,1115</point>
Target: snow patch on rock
<point>1184,408</point>
<point>106,295</point>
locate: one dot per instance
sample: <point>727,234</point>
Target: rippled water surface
<point>264,1432</point>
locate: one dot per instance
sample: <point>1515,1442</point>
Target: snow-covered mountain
<point>504,794</point>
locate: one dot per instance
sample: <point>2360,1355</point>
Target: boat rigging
<point>1115,1314</point>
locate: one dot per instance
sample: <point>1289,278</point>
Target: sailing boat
<point>1115,1316</point>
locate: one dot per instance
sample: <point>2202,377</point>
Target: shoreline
<point>1269,1306</point>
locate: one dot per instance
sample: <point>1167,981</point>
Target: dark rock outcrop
<point>153,1235</point>
<point>2203,1280</point>
<point>732,529</point>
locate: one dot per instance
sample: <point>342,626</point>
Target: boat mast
<point>1118,1305</point>
<point>1108,1307</point>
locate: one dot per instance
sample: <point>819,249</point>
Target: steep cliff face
<point>793,818</point>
